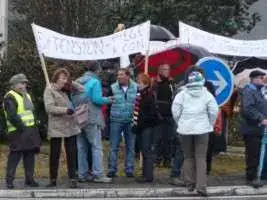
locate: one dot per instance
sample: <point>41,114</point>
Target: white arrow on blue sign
<point>219,73</point>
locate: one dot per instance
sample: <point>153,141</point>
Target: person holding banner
<point>22,134</point>
<point>61,125</point>
<point>124,92</point>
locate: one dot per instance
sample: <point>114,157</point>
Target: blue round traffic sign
<point>221,76</point>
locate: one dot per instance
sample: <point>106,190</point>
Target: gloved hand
<point>70,111</point>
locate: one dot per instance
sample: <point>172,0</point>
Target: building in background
<point>260,30</point>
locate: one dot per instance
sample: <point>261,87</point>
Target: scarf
<point>28,105</point>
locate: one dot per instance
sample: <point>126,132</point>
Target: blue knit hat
<point>195,77</point>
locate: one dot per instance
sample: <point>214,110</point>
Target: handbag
<point>218,126</point>
<point>82,115</point>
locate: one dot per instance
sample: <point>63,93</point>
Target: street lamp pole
<point>4,27</point>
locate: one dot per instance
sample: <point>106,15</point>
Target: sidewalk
<point>144,191</point>
<point>220,184</point>
<point>127,187</point>
<point>123,182</point>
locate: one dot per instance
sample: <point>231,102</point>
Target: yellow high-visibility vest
<point>26,116</point>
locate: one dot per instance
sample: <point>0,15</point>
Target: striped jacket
<point>145,115</point>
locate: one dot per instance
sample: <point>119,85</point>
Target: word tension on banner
<point>56,45</point>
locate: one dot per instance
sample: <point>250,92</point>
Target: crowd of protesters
<point>168,125</point>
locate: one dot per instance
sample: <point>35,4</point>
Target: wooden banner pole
<point>44,69</point>
<point>146,63</point>
<point>64,158</point>
<point>147,56</point>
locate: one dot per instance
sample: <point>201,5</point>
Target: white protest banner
<point>124,61</point>
<point>222,45</point>
<point>158,46</point>
<point>55,45</point>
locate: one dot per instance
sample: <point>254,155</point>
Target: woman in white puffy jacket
<point>195,111</point>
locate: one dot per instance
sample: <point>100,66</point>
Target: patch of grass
<point>41,164</point>
<point>222,164</point>
<point>225,164</point>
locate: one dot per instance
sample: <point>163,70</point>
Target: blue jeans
<point>91,134</point>
<point>116,129</point>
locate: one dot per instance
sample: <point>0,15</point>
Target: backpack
<point>82,115</point>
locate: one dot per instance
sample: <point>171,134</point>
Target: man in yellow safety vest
<point>22,134</point>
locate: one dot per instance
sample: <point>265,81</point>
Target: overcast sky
<point>260,30</point>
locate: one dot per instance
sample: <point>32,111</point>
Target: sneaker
<point>32,184</point>
<point>177,182</point>
<point>129,175</point>
<point>202,193</point>
<point>102,180</point>
<point>191,187</point>
<point>85,180</point>
<point>255,184</point>
<point>111,175</point>
<point>10,186</point>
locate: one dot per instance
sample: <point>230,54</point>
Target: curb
<point>129,192</point>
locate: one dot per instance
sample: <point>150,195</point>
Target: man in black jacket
<point>254,121</point>
<point>164,95</point>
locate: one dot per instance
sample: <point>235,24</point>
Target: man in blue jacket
<point>254,120</point>
<point>91,133</point>
<point>121,112</point>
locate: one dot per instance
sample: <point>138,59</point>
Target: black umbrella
<point>243,68</point>
<point>159,33</point>
<point>197,51</point>
<point>250,63</point>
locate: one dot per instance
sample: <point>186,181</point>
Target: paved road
<point>260,197</point>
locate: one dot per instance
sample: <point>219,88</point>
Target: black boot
<point>10,186</point>
<point>255,184</point>
<point>53,183</point>
<point>32,183</point>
